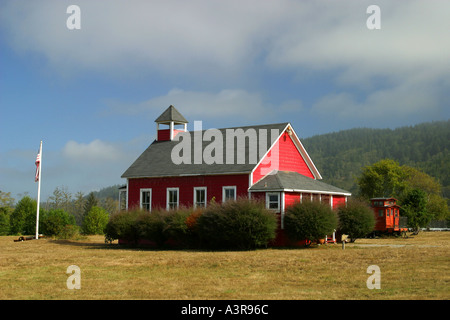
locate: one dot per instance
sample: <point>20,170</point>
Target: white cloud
<point>402,68</point>
<point>334,37</point>
<point>94,165</point>
<point>78,166</point>
<point>232,105</point>
<point>95,152</point>
<point>205,37</point>
<point>412,101</point>
<point>116,37</point>
<point>222,40</point>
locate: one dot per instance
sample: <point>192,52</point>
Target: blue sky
<point>92,95</point>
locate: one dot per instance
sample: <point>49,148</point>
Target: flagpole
<point>39,192</point>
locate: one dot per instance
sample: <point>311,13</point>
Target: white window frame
<point>122,198</point>
<point>141,199</point>
<point>268,194</point>
<point>195,195</point>
<point>224,188</point>
<point>167,197</point>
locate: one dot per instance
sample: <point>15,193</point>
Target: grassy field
<point>413,268</point>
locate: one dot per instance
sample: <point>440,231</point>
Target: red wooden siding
<point>325,198</point>
<point>164,134</point>
<point>284,156</point>
<point>306,196</point>
<point>389,219</point>
<point>261,196</point>
<point>291,198</point>
<point>338,200</point>
<point>186,186</point>
<point>380,220</point>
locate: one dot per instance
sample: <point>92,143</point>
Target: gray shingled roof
<point>293,181</point>
<point>171,114</point>
<point>156,160</point>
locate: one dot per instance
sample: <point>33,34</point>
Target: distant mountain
<point>108,192</point>
<point>340,156</point>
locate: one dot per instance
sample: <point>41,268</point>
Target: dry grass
<point>415,268</point>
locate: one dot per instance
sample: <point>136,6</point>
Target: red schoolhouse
<point>267,162</point>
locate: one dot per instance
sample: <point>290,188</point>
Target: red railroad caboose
<point>387,216</point>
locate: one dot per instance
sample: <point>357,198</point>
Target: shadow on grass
<point>167,247</point>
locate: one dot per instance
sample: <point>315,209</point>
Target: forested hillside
<point>108,192</point>
<point>340,156</point>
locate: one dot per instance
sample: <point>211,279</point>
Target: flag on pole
<point>38,166</point>
<point>37,178</point>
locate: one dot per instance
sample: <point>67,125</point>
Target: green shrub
<point>123,225</point>
<point>69,232</point>
<point>356,219</point>
<point>192,237</point>
<point>309,220</point>
<point>23,218</point>
<point>241,224</point>
<point>152,225</point>
<point>160,226</point>
<point>54,221</point>
<point>414,207</point>
<point>180,228</point>
<point>95,221</point>
<point>5,213</point>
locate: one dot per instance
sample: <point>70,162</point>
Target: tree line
<point>341,156</point>
<point>63,214</point>
<point>419,194</point>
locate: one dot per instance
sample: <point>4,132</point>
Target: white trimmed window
<point>200,197</point>
<point>228,193</point>
<point>172,198</point>
<point>145,201</point>
<point>273,201</point>
<point>123,199</point>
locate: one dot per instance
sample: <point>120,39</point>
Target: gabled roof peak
<point>171,115</point>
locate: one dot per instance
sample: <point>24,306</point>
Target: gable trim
<point>305,155</point>
<point>300,148</point>
<point>304,191</point>
<point>193,175</point>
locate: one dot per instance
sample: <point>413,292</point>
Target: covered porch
<point>281,189</point>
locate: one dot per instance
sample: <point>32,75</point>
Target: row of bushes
<point>241,224</point>
<point>313,220</point>
<point>53,222</point>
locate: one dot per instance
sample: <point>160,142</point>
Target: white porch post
<point>282,209</point>
<point>171,130</point>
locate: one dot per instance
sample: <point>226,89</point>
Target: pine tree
<point>91,201</point>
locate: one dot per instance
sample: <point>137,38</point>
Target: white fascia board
<point>305,155</point>
<point>304,191</point>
